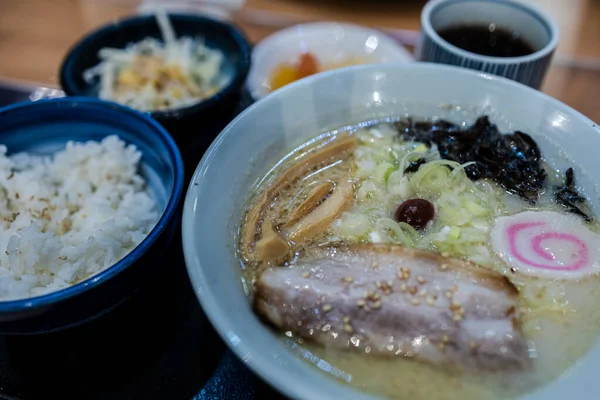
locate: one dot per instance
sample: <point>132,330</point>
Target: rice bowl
<point>67,217</point>
<point>75,267</point>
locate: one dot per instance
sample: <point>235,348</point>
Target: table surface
<point>36,34</point>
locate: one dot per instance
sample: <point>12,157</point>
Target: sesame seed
<point>473,345</point>
<point>445,339</point>
<point>445,254</point>
<point>385,287</point>
<point>448,294</point>
<point>456,317</point>
<point>378,284</point>
<point>306,274</point>
<point>415,302</point>
<point>429,301</point>
<point>374,265</point>
<point>403,287</point>
<point>361,303</point>
<point>346,320</point>
<point>403,273</point>
<point>376,305</point>
<point>444,267</point>
<point>454,305</point>
<point>423,293</point>
<point>327,307</point>
<point>62,258</point>
<point>454,288</point>
<point>348,279</point>
<point>420,279</point>
<point>348,328</point>
<point>412,290</point>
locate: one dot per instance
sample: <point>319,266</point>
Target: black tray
<point>158,345</point>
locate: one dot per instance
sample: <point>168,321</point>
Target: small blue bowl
<point>189,124</point>
<point>44,127</point>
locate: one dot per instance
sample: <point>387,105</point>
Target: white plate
<point>261,135</point>
<point>329,42</point>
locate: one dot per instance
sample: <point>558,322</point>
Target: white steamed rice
<point>66,217</point>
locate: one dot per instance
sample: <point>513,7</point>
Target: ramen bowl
<point>251,144</point>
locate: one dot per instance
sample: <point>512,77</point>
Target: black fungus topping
<point>511,160</point>
<point>568,197</point>
<point>414,166</point>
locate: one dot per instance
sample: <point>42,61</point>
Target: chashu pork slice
<point>391,300</point>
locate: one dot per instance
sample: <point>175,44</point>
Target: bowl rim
<point>135,254</point>
<point>225,325</point>
<point>290,33</point>
<point>241,69</point>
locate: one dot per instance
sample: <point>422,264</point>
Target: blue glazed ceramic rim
<point>242,67</point>
<point>146,244</point>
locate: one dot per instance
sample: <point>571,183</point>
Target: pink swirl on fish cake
<point>536,245</point>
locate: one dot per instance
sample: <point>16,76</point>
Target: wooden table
<point>36,34</point>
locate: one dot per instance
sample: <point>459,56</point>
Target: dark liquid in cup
<point>487,40</point>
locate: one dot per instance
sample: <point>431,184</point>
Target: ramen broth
<point>559,316</point>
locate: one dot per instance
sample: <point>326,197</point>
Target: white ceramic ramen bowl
<point>329,42</point>
<point>260,136</point>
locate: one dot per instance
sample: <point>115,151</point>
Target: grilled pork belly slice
<point>390,300</point>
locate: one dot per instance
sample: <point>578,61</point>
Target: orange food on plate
<point>287,73</point>
<point>307,65</point>
<point>282,75</point>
